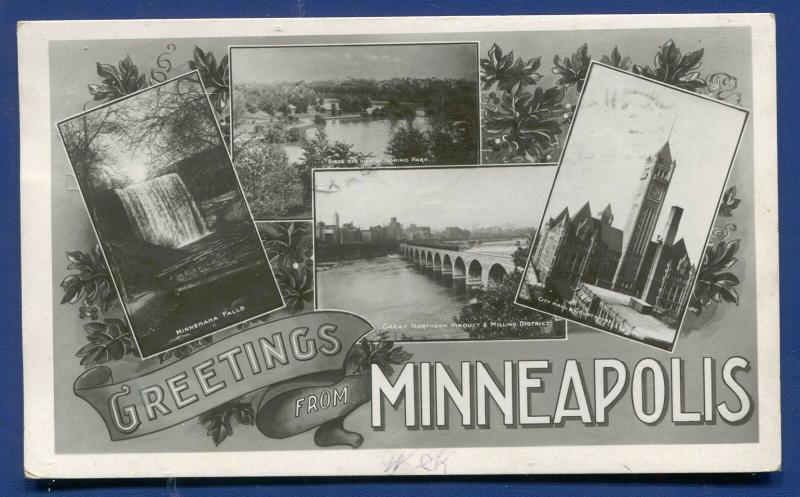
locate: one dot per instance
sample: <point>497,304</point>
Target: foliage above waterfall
<point>135,137</point>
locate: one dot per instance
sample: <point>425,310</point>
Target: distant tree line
<point>457,98</point>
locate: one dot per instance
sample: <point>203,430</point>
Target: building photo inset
<point>634,198</point>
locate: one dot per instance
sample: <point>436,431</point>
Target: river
<point>395,297</point>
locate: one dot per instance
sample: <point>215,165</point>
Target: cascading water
<point>163,211</point>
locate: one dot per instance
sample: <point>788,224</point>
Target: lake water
<point>368,136</point>
<point>395,296</point>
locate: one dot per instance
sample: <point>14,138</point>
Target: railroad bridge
<point>477,268</point>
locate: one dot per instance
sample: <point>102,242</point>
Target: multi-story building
<point>414,232</point>
<point>579,248</point>
<point>645,209</point>
<point>456,233</point>
<point>588,261</point>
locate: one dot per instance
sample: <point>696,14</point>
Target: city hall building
<point>612,276</point>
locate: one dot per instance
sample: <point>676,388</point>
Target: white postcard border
<point>35,131</point>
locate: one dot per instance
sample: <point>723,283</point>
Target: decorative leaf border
<point>520,125</point>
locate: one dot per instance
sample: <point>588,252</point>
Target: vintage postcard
<point>300,107</point>
<point>433,253</point>
<point>406,178</point>
<point>177,244</point>
<point>641,179</point>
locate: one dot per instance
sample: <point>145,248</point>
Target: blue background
<point>786,483</point>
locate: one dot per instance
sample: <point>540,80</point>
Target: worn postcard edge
<point>41,461</point>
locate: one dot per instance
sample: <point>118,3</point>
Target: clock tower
<point>646,207</point>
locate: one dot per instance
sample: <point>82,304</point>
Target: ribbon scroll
<point>302,359</point>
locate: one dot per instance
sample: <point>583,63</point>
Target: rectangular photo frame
<point>429,254</point>
<point>177,243</point>
<point>623,155</point>
<point>347,105</point>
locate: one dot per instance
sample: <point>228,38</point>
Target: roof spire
<point>672,128</point>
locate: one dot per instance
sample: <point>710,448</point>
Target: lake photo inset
<point>297,108</point>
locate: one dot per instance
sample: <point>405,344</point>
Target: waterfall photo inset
<point>430,253</point>
<point>167,207</point>
<point>622,239</point>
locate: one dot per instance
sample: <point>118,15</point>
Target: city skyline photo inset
<point>635,196</point>
<point>431,253</point>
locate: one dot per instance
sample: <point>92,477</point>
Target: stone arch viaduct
<point>474,267</point>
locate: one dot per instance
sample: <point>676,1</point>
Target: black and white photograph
<point>166,205</point>
<point>634,199</point>
<point>399,278</point>
<point>296,108</point>
<point>430,253</point>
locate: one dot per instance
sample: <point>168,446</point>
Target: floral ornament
<point>163,64</point>
<point>573,69</point>
<point>297,287</point>
<point>382,352</point>
<point>524,127</point>
<point>729,202</point>
<point>88,311</point>
<point>117,81</point>
<point>219,421</point>
<point>109,340</point>
<point>289,245</point>
<point>506,72</point>
<point>715,283</point>
<point>92,282</point>
<point>616,60</point>
<point>670,67</point>
<point>722,86</point>
<point>216,77</point>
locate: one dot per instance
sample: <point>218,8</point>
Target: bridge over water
<point>476,266</point>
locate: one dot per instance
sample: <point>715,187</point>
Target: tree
<point>520,257</point>
<point>495,306</point>
<point>269,181</point>
<point>171,122</point>
<point>342,155</point>
<point>316,151</point>
<point>239,110</point>
<point>409,145</point>
<point>319,152</point>
<point>266,105</point>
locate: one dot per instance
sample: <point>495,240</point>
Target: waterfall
<point>163,211</point>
